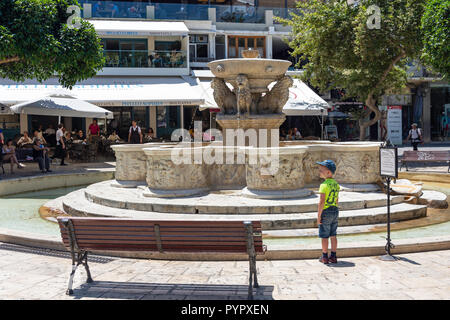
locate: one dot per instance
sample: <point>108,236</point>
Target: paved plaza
<point>30,273</point>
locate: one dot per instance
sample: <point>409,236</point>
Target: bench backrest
<point>164,236</point>
<point>426,155</point>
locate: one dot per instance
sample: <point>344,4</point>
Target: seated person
<point>133,12</point>
<point>114,137</point>
<point>297,135</point>
<point>290,135</point>
<point>36,135</point>
<point>40,154</point>
<point>150,135</point>
<point>25,139</point>
<point>68,136</point>
<point>9,155</point>
<point>80,136</point>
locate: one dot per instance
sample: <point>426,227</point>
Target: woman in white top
<point>9,154</point>
<point>24,140</point>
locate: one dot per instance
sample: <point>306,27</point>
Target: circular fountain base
<point>151,193</point>
<point>276,194</point>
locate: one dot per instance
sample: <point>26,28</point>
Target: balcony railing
<point>145,59</point>
<point>179,11</point>
<point>116,9</point>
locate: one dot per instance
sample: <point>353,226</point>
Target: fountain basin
<point>260,72</point>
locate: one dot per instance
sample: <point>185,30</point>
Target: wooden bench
<point>425,156</point>
<point>82,235</point>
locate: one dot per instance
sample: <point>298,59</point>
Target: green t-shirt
<point>331,189</point>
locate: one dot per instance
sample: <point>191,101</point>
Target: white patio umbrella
<point>61,105</point>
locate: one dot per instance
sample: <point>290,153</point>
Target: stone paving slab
<point>416,276</point>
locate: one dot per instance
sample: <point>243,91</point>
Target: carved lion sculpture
<point>244,96</point>
<point>224,97</point>
<point>275,99</point>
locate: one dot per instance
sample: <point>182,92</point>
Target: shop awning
<point>109,91</point>
<point>139,28</point>
<point>61,105</point>
<point>304,102</point>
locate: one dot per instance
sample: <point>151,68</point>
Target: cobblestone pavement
<point>29,273</point>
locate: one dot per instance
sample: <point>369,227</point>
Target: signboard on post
<point>389,162</point>
<point>394,124</point>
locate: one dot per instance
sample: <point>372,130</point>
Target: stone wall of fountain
<point>357,163</point>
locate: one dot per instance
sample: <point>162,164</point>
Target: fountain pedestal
<point>258,125</point>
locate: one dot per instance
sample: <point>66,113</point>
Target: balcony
<point>179,11</point>
<point>115,9</point>
<point>145,59</point>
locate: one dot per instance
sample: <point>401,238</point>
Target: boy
<point>328,212</point>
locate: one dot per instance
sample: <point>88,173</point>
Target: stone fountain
<point>251,105</point>
<point>265,169</point>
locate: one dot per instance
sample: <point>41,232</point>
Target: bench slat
<point>141,223</point>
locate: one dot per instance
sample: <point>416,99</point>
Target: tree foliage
<point>436,36</point>
<point>36,42</point>
<point>342,51</point>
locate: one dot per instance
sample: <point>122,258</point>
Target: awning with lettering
<point>109,91</point>
<point>139,28</point>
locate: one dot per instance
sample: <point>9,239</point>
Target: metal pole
<point>389,244</point>
<point>389,216</point>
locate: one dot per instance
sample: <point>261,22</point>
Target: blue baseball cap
<point>329,164</point>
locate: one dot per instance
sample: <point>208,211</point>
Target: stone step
<point>313,232</point>
<point>226,202</point>
<point>76,204</point>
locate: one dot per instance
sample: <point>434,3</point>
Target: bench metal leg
<point>253,280</point>
<point>80,258</point>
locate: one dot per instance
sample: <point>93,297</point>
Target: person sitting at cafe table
<point>40,154</point>
<point>36,135</point>
<point>80,136</point>
<point>25,139</point>
<point>135,133</point>
<point>150,135</point>
<point>114,137</point>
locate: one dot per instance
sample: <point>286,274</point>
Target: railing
<point>179,11</point>
<point>116,9</point>
<point>145,59</point>
<point>200,59</point>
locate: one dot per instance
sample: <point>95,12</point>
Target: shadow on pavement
<point>156,291</point>
<point>50,253</point>
<point>341,264</point>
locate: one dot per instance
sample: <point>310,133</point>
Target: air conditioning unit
<point>202,39</point>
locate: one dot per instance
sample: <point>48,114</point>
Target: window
<point>220,47</point>
<point>198,48</point>
<point>129,53</point>
<point>237,44</point>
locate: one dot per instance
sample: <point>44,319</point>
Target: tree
<point>361,47</point>
<point>436,36</point>
<point>36,42</point>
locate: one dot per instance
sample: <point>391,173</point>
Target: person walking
<point>135,133</point>
<point>60,151</point>
<point>415,135</point>
<point>328,211</point>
